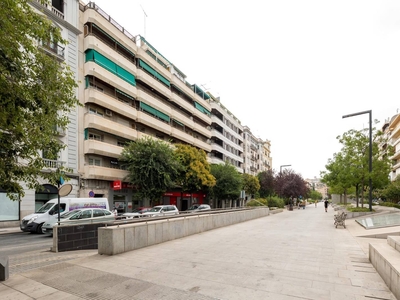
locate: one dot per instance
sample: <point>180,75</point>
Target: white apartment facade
<point>130,90</point>
<point>64,15</point>
<point>227,136</point>
<point>392,129</point>
<point>257,153</point>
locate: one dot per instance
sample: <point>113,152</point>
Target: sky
<point>287,69</point>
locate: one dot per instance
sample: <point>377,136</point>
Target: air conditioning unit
<point>108,112</point>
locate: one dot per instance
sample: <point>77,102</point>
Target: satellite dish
<point>65,190</point>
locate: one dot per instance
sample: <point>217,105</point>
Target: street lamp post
<point>370,150</point>
<point>284,166</point>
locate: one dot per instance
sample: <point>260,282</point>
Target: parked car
<point>79,216</point>
<point>199,207</point>
<point>136,213</point>
<point>161,210</point>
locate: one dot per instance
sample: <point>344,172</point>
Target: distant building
<point>257,153</point>
<point>315,184</point>
<point>227,136</point>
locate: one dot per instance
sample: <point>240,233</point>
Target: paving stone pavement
<point>290,255</point>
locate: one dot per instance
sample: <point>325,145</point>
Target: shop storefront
<point>9,209</point>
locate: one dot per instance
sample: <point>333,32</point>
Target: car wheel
<point>39,228</point>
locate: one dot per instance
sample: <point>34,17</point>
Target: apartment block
<point>392,130</point>
<point>257,153</point>
<point>129,90</point>
<point>227,136</point>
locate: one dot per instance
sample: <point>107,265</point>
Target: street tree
<point>290,185</point>
<point>392,191</point>
<point>36,95</point>
<point>315,195</point>
<point>228,182</point>
<point>251,185</point>
<point>153,167</point>
<point>266,180</point>
<point>195,173</point>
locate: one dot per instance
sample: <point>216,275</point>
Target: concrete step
<point>386,261</point>
<point>394,241</point>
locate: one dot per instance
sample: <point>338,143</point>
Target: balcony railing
<point>53,9</point>
<point>54,48</point>
<point>53,164</point>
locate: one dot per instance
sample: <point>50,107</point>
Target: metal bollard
<point>4,268</point>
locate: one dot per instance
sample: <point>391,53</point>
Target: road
<point>22,242</point>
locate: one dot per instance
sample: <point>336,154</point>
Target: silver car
<point>79,216</point>
<point>161,210</point>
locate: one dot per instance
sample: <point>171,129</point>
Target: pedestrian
<point>316,202</point>
<point>115,212</point>
<point>326,205</point>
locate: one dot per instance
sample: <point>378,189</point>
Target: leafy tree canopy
<point>228,182</point>
<point>36,94</point>
<point>153,166</point>
<point>251,185</point>
<point>288,184</point>
<point>195,173</point>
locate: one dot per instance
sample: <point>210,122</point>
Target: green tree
<point>266,180</point>
<point>251,185</point>
<point>36,95</point>
<point>195,173</point>
<point>153,167</point>
<point>392,191</point>
<point>315,195</point>
<point>228,182</point>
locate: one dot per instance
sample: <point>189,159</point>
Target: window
<point>98,213</point>
<point>86,214</point>
<point>96,111</point>
<point>95,162</point>
<point>93,136</point>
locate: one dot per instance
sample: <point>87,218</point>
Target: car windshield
<point>70,214</point>
<point>44,208</point>
<point>136,210</point>
<point>155,209</point>
<point>193,207</point>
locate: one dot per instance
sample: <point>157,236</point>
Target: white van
<point>34,222</point>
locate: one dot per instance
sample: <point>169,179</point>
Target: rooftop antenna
<point>144,18</point>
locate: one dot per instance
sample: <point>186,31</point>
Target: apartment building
<point>64,15</point>
<point>257,153</point>
<point>315,184</point>
<point>129,90</point>
<point>227,136</point>
<point>392,130</point>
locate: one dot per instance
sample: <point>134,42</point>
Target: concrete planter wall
<point>122,238</point>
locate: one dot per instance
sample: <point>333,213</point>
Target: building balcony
<point>152,122</point>
<point>202,116</point>
<point>53,164</point>
<point>395,134</point>
<point>154,102</point>
<point>111,127</point>
<point>102,173</point>
<point>101,148</point>
<point>184,119</point>
<point>49,7</point>
<point>91,68</point>
<point>203,130</point>
<point>182,86</point>
<point>396,155</point>
<point>183,136</point>
<point>143,55</point>
<point>94,96</point>
<point>154,83</point>
<point>93,14</point>
<point>202,145</point>
<point>183,103</point>
<point>54,49</point>
<point>92,42</point>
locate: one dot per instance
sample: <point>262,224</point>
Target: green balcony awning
<point>125,94</point>
<point>154,112</point>
<point>179,123</point>
<point>93,55</point>
<point>154,72</point>
<point>201,108</point>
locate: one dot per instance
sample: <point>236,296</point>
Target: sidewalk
<point>290,255</point>
<point>9,230</point>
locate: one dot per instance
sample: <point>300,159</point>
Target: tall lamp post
<point>370,150</point>
<point>284,166</point>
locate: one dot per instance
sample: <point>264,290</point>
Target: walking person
<point>326,203</point>
<point>316,202</point>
